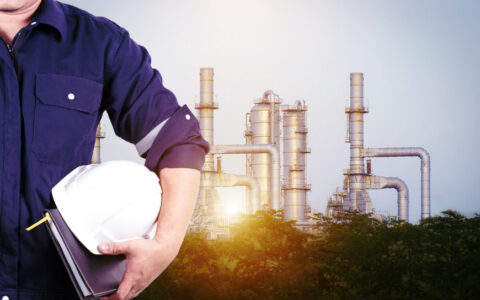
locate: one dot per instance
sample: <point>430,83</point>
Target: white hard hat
<point>109,202</point>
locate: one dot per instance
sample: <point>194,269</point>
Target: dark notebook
<point>93,276</point>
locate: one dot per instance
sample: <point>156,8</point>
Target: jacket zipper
<point>11,47</point>
<point>15,42</point>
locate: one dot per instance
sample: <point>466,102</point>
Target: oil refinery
<point>266,188</point>
<point>275,152</point>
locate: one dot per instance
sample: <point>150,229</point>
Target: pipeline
<point>424,168</point>
<point>272,97</point>
<point>258,148</point>
<point>252,185</point>
<point>357,198</point>
<point>379,182</point>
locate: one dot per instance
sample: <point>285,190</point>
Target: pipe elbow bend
<point>423,154</point>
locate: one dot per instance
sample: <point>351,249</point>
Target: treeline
<point>350,257</point>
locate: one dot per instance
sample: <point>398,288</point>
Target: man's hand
<point>146,259</point>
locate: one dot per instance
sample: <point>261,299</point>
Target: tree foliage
<point>352,256</point>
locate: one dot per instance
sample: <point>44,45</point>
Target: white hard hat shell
<point>109,202</point>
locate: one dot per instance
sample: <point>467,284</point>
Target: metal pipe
<point>274,160</point>
<point>379,182</point>
<point>252,185</point>
<point>424,168</point>
<point>248,157</point>
<point>248,141</point>
<point>219,164</point>
<point>369,166</point>
<point>271,97</point>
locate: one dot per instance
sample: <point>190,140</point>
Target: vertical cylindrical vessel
<point>96,149</point>
<point>295,185</point>
<point>357,199</point>
<point>206,108</point>
<point>265,121</point>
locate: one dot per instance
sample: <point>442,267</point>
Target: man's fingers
<point>114,248</point>
<point>123,291</point>
<point>124,288</point>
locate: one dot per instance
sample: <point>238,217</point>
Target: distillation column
<point>264,128</point>
<point>206,198</point>
<point>357,199</point>
<point>294,186</point>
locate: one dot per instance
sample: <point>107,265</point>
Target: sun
<point>232,208</point>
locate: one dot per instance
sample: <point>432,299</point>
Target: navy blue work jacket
<point>57,77</point>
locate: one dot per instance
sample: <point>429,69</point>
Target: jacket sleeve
<point>147,114</point>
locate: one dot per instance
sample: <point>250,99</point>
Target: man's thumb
<point>113,248</point>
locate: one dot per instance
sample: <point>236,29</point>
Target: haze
<point>420,59</point>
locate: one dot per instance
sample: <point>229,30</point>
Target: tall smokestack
<point>357,198</point>
<point>205,109</point>
<point>206,203</point>
<point>96,149</point>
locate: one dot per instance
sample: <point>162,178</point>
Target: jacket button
<point>70,96</point>
<point>187,117</point>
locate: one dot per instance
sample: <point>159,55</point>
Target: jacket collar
<point>51,13</point>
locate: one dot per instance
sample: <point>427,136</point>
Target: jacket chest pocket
<point>66,115</point>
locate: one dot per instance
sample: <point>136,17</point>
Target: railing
<point>213,105</point>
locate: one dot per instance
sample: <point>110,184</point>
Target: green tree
<point>350,256</point>
<point>272,256</point>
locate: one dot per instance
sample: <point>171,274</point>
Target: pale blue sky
<point>420,59</point>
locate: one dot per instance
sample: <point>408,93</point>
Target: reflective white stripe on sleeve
<point>144,144</point>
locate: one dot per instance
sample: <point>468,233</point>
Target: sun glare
<point>232,208</point>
